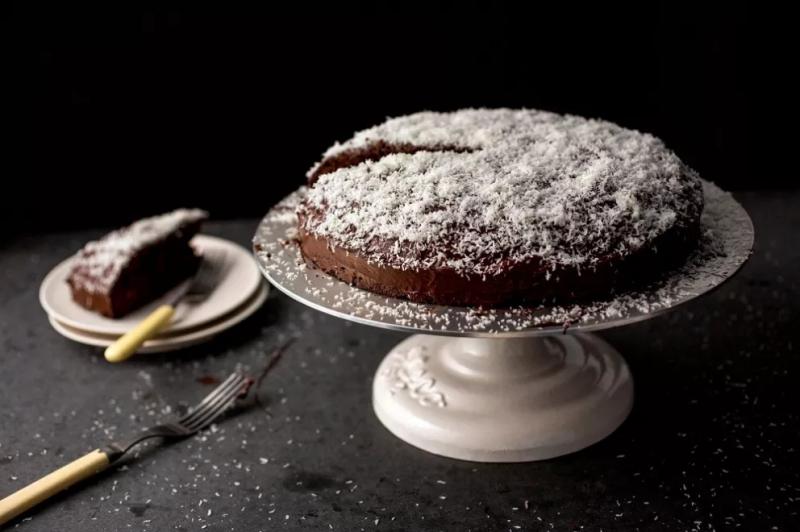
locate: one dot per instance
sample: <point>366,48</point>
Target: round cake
<point>492,207</point>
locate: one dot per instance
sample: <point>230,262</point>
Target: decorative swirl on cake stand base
<point>507,400</point>
<point>407,371</point>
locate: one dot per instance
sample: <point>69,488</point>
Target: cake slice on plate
<point>132,266</point>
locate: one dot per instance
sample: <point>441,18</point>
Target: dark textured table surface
<point>712,443</point>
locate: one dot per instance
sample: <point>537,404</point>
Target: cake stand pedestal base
<point>503,399</point>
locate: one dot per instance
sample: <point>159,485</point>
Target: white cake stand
<point>507,385</point>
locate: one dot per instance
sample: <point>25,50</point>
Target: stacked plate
<point>240,292</point>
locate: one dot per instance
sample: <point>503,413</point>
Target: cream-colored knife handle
<point>44,488</point>
<point>127,344</point>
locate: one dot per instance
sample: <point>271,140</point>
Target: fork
<point>200,287</point>
<point>199,417</point>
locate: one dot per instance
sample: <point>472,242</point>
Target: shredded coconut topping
<point>99,263</point>
<point>535,185</point>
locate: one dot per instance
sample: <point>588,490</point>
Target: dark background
<point>113,112</point>
<point>118,112</point>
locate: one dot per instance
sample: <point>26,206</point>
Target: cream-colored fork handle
<point>44,488</point>
<point>127,344</point>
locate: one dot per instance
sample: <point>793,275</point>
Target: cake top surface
<point>534,185</point>
<point>99,263</point>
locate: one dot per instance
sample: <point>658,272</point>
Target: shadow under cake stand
<point>504,385</point>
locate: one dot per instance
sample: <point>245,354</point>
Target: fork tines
<point>215,403</point>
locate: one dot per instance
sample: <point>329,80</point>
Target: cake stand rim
<point>745,252</point>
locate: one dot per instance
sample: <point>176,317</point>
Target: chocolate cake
<point>132,266</point>
<point>492,207</point>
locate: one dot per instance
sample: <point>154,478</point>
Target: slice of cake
<point>132,266</point>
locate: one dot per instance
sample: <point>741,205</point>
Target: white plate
<point>173,341</point>
<point>240,281</point>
